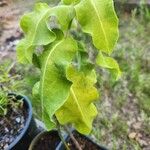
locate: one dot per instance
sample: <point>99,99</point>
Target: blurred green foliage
<point>8,78</point>
<point>127,100</point>
<point>3,103</point>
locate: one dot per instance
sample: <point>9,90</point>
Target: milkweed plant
<point>66,87</point>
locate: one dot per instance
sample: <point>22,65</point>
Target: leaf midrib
<point>102,26</point>
<point>33,37</point>
<point>44,72</point>
<point>76,100</point>
<point>39,22</point>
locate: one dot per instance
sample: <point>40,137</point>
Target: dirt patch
<point>10,13</point>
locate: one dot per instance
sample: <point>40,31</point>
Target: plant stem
<point>73,138</point>
<point>60,135</point>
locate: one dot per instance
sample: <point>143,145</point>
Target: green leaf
<point>82,47</point>
<point>54,86</point>
<point>98,18</point>
<point>64,14</point>
<point>35,90</point>
<point>37,59</point>
<point>36,99</point>
<point>36,31</point>
<point>68,2</point>
<point>79,108</point>
<point>21,50</point>
<point>36,102</point>
<point>83,62</point>
<point>59,34</point>
<point>109,63</point>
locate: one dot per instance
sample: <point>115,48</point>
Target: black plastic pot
<point>52,138</point>
<point>29,131</point>
<point>88,139</point>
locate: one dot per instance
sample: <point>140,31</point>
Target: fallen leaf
<point>132,135</point>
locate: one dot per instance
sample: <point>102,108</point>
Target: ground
<point>123,122</point>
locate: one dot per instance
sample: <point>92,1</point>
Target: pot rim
<point>28,120</point>
<point>67,137</point>
<point>34,141</point>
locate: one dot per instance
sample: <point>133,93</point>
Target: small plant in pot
<point>17,128</point>
<point>66,90</point>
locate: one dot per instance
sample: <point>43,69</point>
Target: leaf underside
<point>109,63</point>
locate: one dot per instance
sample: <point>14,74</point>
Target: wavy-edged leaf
<point>21,50</point>
<point>79,108</point>
<point>37,59</point>
<point>36,28</point>
<point>98,18</point>
<point>54,87</point>
<point>109,63</point>
<point>36,102</point>
<point>36,31</point>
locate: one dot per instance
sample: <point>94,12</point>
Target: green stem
<point>77,145</point>
<point>60,134</point>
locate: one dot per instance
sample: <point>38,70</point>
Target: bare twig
<point>60,135</point>
<point>73,138</point>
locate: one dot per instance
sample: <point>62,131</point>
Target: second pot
<point>85,142</point>
<point>46,140</point>
<point>30,130</point>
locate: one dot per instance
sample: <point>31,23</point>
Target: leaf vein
<point>102,26</point>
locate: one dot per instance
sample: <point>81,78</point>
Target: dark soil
<point>12,124</point>
<point>48,141</point>
<point>84,142</point>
